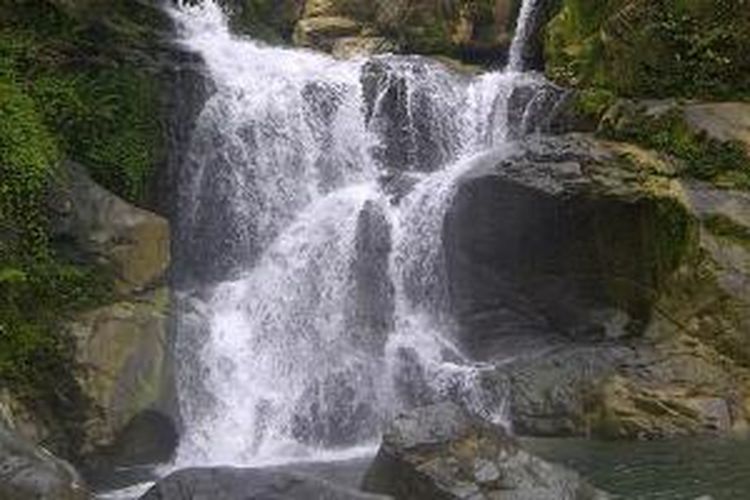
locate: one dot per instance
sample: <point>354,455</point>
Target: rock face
<point>121,348</point>
<point>31,473</point>
<point>122,352</point>
<point>619,291</point>
<point>440,452</point>
<point>242,484</point>
<point>479,31</point>
<point>560,237</point>
<point>373,306</point>
<point>132,242</point>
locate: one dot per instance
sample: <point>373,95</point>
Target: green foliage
<point>27,155</point>
<point>695,48</point>
<point>591,104</point>
<point>703,157</point>
<point>96,102</point>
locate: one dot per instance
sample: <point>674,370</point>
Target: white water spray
<point>333,311</point>
<point>524,30</point>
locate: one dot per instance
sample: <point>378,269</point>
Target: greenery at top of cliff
<point>95,99</point>
<point>654,48</point>
<point>699,156</point>
<point>72,85</point>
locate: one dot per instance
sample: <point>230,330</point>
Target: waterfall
<point>524,29</point>
<point>312,205</point>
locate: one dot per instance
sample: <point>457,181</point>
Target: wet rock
<point>441,452</point>
<point>337,410</point>
<point>404,108</point>
<point>372,310</point>
<point>242,484</point>
<point>28,472</point>
<point>535,107</point>
<point>616,294</point>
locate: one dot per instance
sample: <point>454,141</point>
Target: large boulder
<point>616,293</point>
<point>121,347</point>
<point>441,452</point>
<point>122,352</point>
<point>28,472</point>
<point>562,236</point>
<point>242,484</point>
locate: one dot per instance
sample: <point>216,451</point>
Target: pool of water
<point>668,470</point>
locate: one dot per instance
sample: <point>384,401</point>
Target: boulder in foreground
<point>243,484</point>
<point>440,452</point>
<point>28,472</point>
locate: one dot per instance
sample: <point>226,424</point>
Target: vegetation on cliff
<point>72,85</point>
<point>654,48</point>
<point>637,49</point>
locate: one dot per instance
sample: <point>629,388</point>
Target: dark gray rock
<point>403,107</point>
<point>372,310</point>
<point>535,107</point>
<point>440,452</point>
<point>248,484</point>
<point>28,472</point>
<point>559,237</point>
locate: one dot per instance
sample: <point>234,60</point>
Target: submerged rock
<point>243,484</point>
<point>28,472</point>
<point>441,452</point>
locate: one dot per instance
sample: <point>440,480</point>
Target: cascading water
<point>312,207</point>
<point>524,30</point>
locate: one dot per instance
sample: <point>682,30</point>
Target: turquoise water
<point>669,470</point>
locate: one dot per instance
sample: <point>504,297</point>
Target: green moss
<point>702,157</point>
<point>27,156</point>
<point>694,48</point>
